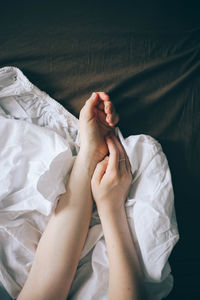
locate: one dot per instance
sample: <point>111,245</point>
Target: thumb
<point>91,103</point>
<point>100,170</point>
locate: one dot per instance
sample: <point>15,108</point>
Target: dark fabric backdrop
<point>146,55</point>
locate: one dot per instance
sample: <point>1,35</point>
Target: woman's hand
<point>110,185</point>
<point>112,178</point>
<point>97,118</point>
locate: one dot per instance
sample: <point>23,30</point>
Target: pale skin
<point>100,178</point>
<point>110,185</point>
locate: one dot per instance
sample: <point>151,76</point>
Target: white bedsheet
<point>38,145</point>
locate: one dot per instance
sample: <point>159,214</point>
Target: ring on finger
<point>121,159</point>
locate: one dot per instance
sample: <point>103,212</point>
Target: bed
<point>147,57</point>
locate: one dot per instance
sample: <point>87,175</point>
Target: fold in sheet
<point>39,142</point>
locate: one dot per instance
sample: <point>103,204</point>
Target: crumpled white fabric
<point>38,145</point>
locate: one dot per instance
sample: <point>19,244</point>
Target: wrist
<point>107,212</point>
<point>88,160</point>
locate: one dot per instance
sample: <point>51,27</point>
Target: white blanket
<point>39,141</point>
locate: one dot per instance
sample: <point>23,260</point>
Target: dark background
<point>146,55</point>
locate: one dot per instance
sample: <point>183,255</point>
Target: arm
<point>110,185</point>
<point>125,280</point>
<point>60,246</point>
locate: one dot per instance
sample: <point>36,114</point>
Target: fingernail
<point>93,95</point>
<point>106,158</point>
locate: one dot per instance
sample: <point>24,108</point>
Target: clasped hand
<point>112,173</point>
<point>97,119</point>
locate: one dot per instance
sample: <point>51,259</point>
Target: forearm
<point>125,278</point>
<point>60,246</point>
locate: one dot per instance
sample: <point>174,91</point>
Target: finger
<point>123,160</point>
<point>114,155</point>
<point>91,103</point>
<point>100,170</point>
<point>102,116</point>
<point>103,96</point>
<point>108,108</point>
<point>93,99</point>
<point>118,144</point>
<point>113,118</point>
<point>109,120</point>
<point>122,166</point>
<point>108,111</point>
<point>101,105</point>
